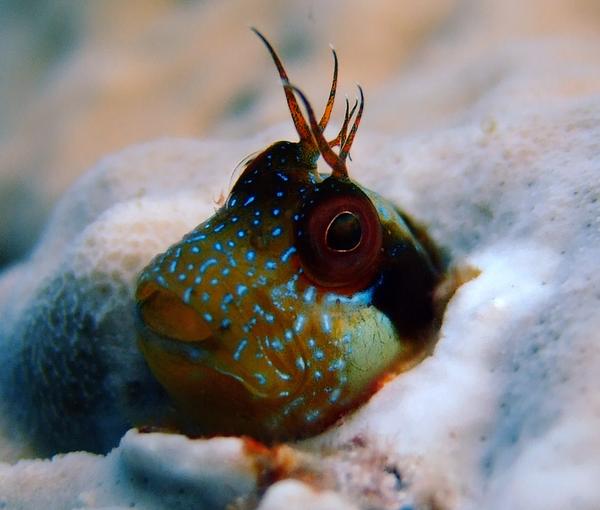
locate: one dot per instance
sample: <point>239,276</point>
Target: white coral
<point>504,414</point>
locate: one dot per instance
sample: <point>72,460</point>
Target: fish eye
<point>344,233</point>
<point>339,238</point>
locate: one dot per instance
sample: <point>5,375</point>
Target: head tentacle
<point>336,162</point>
<point>297,117</point>
<point>341,137</point>
<point>345,150</point>
<point>331,99</point>
<point>304,131</point>
<point>337,165</point>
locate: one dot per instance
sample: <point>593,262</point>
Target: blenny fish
<point>289,307</point>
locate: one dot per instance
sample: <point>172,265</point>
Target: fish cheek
<point>375,349</point>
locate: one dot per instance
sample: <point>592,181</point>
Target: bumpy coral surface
<point>504,171</point>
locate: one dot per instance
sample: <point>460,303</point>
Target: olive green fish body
<point>288,307</point>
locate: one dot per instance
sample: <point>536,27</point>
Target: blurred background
<point>80,80</point>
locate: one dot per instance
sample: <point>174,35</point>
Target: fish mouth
<point>166,315</point>
<point>194,350</point>
<point>174,339</point>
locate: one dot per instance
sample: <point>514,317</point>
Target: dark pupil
<point>344,232</point>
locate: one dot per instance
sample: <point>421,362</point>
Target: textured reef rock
<point>505,173</point>
<point>507,396</point>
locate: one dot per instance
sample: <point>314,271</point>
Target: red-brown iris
<point>339,237</point>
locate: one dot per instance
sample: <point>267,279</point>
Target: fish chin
<point>212,393</point>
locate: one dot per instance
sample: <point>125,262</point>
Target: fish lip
<point>192,350</point>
